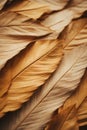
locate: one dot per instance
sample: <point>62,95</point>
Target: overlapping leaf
<point>59,20</point>
<point>54,96</point>
<point>31,53</point>
<point>15,35</point>
<point>65,120</point>
<point>29,64</point>
<point>31,75</point>
<point>82,113</point>
<point>36,8</point>
<point>78,97</point>
<point>67,115</point>
<point>56,90</point>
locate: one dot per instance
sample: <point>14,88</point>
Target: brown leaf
<point>65,120</point>
<point>32,74</point>
<point>2,3</point>
<point>75,33</point>
<point>82,113</point>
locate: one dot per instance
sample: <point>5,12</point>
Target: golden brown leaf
<point>65,120</point>
<point>75,33</point>
<point>82,113</point>
<point>32,74</point>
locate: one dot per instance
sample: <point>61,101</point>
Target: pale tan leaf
<point>79,95</point>
<point>34,13</point>
<point>75,100</point>
<point>59,20</point>
<point>13,19</point>
<point>24,29</point>
<point>78,98</point>
<point>29,29</point>
<point>15,35</point>
<point>36,8</point>
<point>79,8</point>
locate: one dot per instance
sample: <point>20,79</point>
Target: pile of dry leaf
<point>43,61</point>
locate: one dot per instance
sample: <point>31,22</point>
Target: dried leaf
<point>75,30</point>
<point>82,113</point>
<point>13,19</point>
<point>79,95</point>
<point>36,8</point>
<point>59,20</point>
<point>53,93</point>
<point>31,53</point>
<point>32,74</point>
<point>2,3</point>
<point>14,38</point>
<point>22,71</point>
<point>65,120</point>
